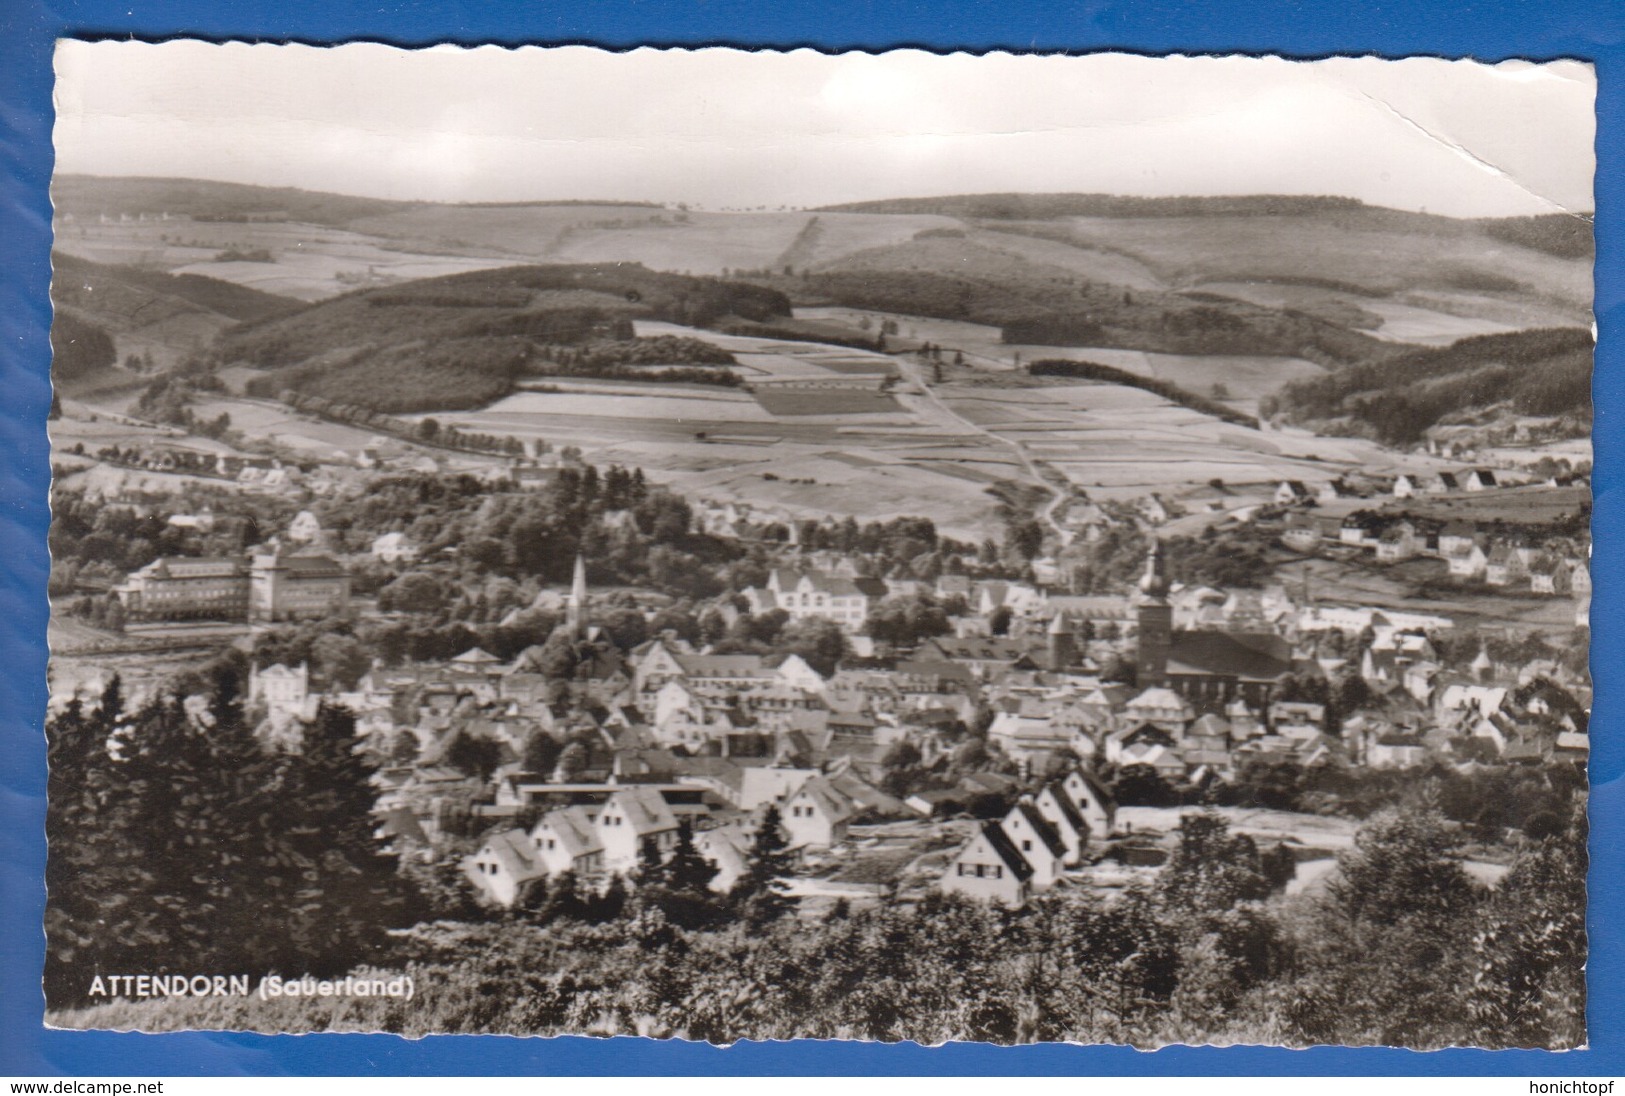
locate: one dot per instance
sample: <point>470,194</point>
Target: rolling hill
<point>1540,373</point>
<point>1321,280</point>
<point>103,311</point>
<point>126,298</point>
<point>90,197</point>
<point>463,340</point>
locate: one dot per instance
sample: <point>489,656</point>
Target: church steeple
<point>1063,647</point>
<point>1156,638</point>
<point>576,616</point>
<point>1154,583</point>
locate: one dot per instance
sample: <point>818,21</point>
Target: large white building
<point>276,585</point>
<point>804,594</point>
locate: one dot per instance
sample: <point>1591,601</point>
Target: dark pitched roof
<point>1006,850</point>
<point>979,648</point>
<point>312,566</point>
<point>1069,810</point>
<point>1042,826</point>
<point>1248,656</point>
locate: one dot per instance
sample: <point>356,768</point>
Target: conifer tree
<point>180,845</point>
<point>686,869</point>
<point>760,893</point>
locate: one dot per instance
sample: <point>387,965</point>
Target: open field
<point>698,242</point>
<point>1376,252</point>
<point>633,403</point>
<point>310,262</point>
<point>846,402</point>
<point>1244,378</point>
<point>1111,440</point>
<point>1120,441</point>
<point>1533,505</point>
<point>1313,830</point>
<point>1423,586</point>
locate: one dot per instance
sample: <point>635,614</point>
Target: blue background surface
<point>1593,30</point>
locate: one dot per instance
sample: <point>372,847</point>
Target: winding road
<point>912,369</point>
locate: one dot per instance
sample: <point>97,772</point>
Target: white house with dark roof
<point>1093,801</point>
<point>991,868</point>
<point>816,815</point>
<point>1289,492</point>
<point>394,548</point>
<point>1443,484</point>
<point>1039,843</point>
<point>502,866</point>
<point>1467,561</point>
<point>728,848</point>
<point>1060,810</point>
<point>567,840</point>
<point>813,593</point>
<point>629,817</point>
<point>1161,707</point>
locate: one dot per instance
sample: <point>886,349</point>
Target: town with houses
<point>1027,741</point>
<point>749,579</point>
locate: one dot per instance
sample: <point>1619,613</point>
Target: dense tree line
<point>565,303</point>
<point>1545,372</point>
<point>1400,948</point>
<point>628,531</point>
<point>447,375</point>
<point>1041,307</point>
<point>180,844</point>
<point>78,347</point>
<point>83,283</point>
<point>1169,391</point>
<point>1234,558</point>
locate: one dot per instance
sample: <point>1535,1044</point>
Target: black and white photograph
<point>736,545</point>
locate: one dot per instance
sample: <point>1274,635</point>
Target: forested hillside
<point>464,340</point>
<point>133,296</point>
<point>78,347</point>
<point>1545,372</point>
<point>1056,311</point>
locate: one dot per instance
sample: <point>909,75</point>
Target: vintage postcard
<point>735,545</point>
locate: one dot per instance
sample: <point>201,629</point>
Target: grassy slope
<point>123,297</point>
<point>89,196</point>
<point>1037,302</point>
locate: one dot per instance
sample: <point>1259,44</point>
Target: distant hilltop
<point>82,196</point>
<point>1044,206</point>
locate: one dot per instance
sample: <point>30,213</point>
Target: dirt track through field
<point>1056,497</point>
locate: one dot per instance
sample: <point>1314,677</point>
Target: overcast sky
<point>722,128</point>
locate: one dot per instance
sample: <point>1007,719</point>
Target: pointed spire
<point>576,618</point>
<point>1154,584</point>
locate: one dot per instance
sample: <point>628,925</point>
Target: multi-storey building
<point>183,588</point>
<point>273,586</point>
<point>283,586</point>
<point>846,601</point>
